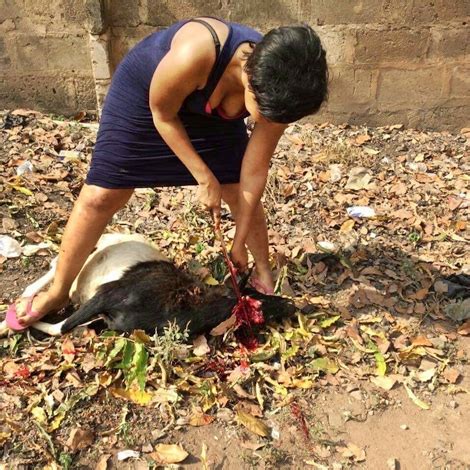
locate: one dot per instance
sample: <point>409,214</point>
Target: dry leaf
<point>415,399</point>
<point>362,139</point>
<point>200,419</point>
<point>169,453</point>
<point>451,375</point>
<point>68,349</point>
<point>347,226</point>
<point>223,327</point>
<point>201,348</point>
<point>359,178</point>
<point>79,439</point>
<point>253,424</point>
<point>354,451</point>
<point>464,329</point>
<point>385,382</point>
<point>421,341</point>
<point>102,463</point>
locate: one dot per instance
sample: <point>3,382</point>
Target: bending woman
<point>174,115</point>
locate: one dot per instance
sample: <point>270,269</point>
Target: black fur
<point>153,293</point>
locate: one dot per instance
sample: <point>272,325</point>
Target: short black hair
<point>288,73</point>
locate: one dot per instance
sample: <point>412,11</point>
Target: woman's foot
<point>30,310</point>
<point>262,280</point>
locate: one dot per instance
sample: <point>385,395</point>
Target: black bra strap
<point>214,35</point>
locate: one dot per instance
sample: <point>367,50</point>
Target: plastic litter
<point>326,246</point>
<point>9,247</point>
<point>361,211</point>
<point>25,168</point>
<point>29,250</point>
<point>128,454</point>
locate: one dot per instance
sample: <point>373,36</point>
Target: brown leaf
<point>68,349</point>
<point>362,139</point>
<point>102,463</point>
<point>464,329</point>
<point>34,237</point>
<point>223,327</point>
<point>80,438</point>
<point>359,178</point>
<point>200,419</point>
<point>352,450</point>
<point>403,214</point>
<point>420,294</point>
<point>250,408</point>
<point>421,341</point>
<point>454,202</point>
<point>451,375</point>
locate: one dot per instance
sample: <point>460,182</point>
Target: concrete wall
<point>391,61</point>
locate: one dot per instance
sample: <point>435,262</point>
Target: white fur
<point>114,254</point>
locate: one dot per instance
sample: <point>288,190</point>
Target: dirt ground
<point>371,373</point>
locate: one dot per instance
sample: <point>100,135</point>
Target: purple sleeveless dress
<point>129,152</point>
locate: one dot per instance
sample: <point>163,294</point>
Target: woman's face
<point>250,101</point>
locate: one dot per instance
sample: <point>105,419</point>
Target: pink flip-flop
<point>12,320</point>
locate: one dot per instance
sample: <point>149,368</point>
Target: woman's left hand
<point>239,257</point>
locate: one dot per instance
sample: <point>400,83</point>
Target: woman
<point>174,115</point>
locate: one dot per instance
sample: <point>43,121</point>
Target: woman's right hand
<point>210,196</point>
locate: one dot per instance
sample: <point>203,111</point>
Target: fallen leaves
<point>80,438</point>
<point>253,424</point>
<point>363,224</point>
<point>358,179</point>
<point>167,454</point>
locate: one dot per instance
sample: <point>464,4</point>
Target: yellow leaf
<point>137,396</point>
<point>253,424</point>
<point>169,453</point>
<point>39,415</point>
<point>347,226</point>
<point>210,281</point>
<point>415,399</point>
<point>302,383</point>
<point>21,189</point>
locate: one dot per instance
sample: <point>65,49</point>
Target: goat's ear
<point>243,279</point>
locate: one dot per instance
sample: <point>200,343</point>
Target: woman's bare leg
<point>257,240</point>
<point>92,211</point>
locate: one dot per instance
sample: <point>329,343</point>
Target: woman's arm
<point>184,69</point>
<point>254,173</point>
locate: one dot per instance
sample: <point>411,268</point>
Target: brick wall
<point>44,56</point>
<point>391,61</point>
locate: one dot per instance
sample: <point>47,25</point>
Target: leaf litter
<point>363,223</point>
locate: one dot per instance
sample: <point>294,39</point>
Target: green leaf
<point>380,363</point>
<point>324,364</point>
<point>379,359</point>
<point>127,355</point>
<point>118,347</point>
<point>327,322</point>
<point>139,362</point>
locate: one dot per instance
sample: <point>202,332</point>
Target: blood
<point>298,414</point>
<point>247,310</point>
